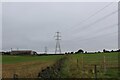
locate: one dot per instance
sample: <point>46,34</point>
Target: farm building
<point>23,52</point>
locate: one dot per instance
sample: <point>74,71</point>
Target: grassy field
<point>0,66</point>
<point>26,66</point>
<point>17,59</point>
<point>75,66</point>
<point>82,66</point>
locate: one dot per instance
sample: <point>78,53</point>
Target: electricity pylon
<point>57,48</point>
<point>45,50</point>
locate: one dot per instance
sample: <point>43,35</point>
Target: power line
<point>101,19</point>
<point>105,28</point>
<point>109,34</point>
<point>58,48</point>
<point>111,26</point>
<point>100,30</point>
<point>93,15</point>
<point>96,13</point>
<point>95,37</point>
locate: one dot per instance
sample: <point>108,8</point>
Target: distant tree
<point>112,51</point>
<point>68,52</point>
<point>118,50</point>
<point>65,52</point>
<point>104,50</point>
<point>72,52</point>
<point>99,52</point>
<point>80,51</point>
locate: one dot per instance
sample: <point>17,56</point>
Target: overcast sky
<point>90,26</point>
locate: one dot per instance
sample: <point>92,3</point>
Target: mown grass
<point>26,66</point>
<point>11,59</point>
<point>0,59</point>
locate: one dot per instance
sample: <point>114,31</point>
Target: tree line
<point>82,51</point>
<point>77,52</point>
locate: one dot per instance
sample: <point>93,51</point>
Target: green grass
<point>0,59</point>
<point>10,59</point>
<point>98,56</point>
<point>73,69</point>
<point>84,69</point>
<point>112,73</point>
<point>26,66</point>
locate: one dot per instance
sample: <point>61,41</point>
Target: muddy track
<point>53,71</point>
